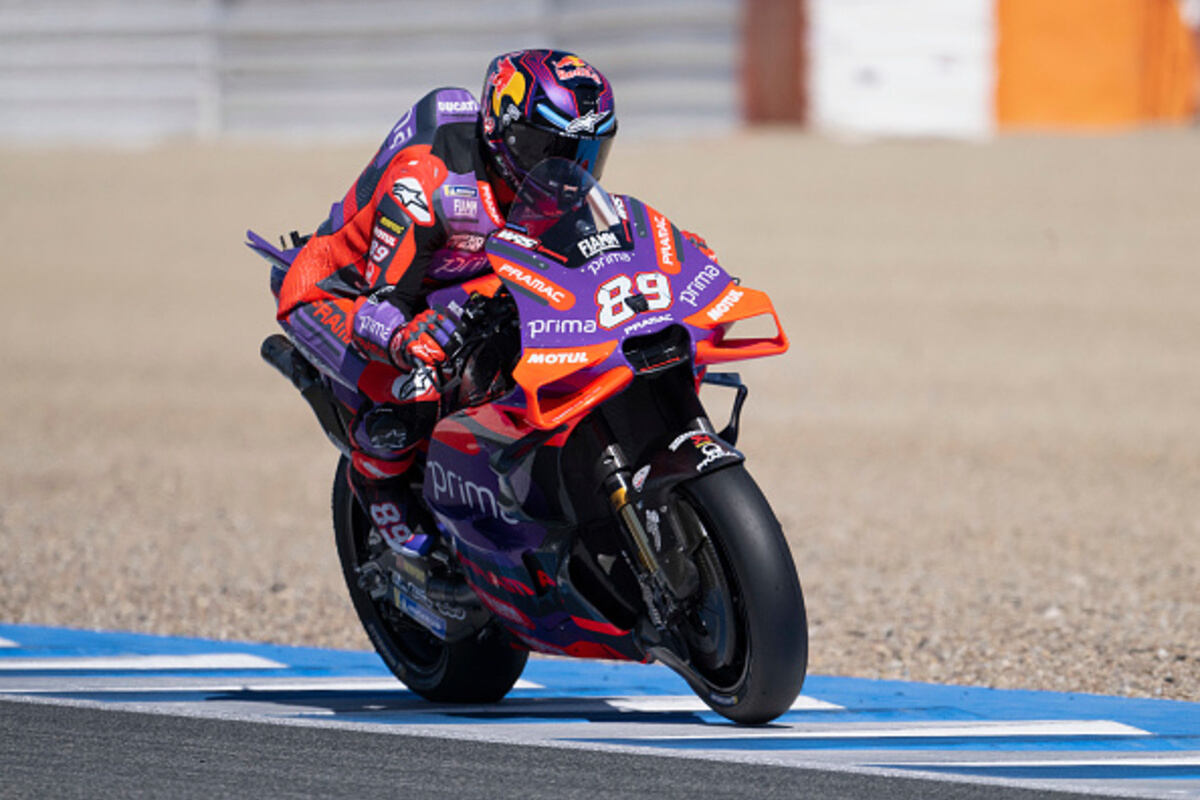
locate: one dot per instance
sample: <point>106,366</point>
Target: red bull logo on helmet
<point>507,82</point>
<point>572,67</point>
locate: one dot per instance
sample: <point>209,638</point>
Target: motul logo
<point>576,357</point>
<point>725,304</point>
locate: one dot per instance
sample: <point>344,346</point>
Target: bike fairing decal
<point>533,285</point>
<point>540,367</point>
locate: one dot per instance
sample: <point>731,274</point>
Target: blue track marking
<point>1027,738</point>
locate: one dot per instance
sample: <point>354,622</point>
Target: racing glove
<point>429,339</point>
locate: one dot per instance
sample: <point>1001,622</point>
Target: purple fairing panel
<point>512,542</point>
<point>331,355</point>
<point>280,260</point>
<point>597,285</point>
<point>465,494</point>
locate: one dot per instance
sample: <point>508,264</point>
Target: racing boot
<point>395,511</point>
<point>386,440</point>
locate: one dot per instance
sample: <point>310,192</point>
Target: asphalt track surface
<point>88,713</point>
<point>59,751</point>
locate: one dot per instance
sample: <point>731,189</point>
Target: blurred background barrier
<point>121,69</point>
<point>967,68</point>
<point>105,70</point>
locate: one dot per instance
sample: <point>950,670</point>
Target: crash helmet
<point>539,104</point>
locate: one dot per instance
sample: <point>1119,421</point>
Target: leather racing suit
<point>415,220</point>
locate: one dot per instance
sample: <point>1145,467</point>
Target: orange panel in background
<point>1092,63</point>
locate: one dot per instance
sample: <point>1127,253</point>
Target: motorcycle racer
<point>416,219</point>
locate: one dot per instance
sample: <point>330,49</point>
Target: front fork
<point>668,580</point>
<point>658,551</point>
<point>615,477</point>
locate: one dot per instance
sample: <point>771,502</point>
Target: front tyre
<point>481,669</point>
<point>746,634</point>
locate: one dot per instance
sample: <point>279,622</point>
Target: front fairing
<point>594,285</point>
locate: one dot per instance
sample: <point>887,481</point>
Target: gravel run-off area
<point>984,444</point>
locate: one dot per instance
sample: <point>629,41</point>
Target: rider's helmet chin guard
<point>539,104</point>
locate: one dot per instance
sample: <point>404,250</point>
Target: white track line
<point>931,731</point>
<point>693,703</point>
<point>1166,760</point>
<point>200,661</point>
<point>203,685</point>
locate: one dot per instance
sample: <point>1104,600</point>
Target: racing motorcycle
<point>586,505</point>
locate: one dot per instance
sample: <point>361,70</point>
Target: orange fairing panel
<point>540,368</point>
<point>487,285</point>
<point>732,305</point>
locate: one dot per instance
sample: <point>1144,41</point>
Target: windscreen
<point>561,204</point>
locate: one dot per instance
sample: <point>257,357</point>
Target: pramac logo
<point>559,298</point>
<point>664,240</point>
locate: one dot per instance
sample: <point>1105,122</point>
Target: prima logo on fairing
<point>560,326</point>
<point>703,279</point>
<point>450,488</point>
<point>598,243</point>
<point>725,304</point>
<point>606,259</point>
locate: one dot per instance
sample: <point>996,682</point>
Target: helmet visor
<point>529,146</point>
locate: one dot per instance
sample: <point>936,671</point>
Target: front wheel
<point>481,669</point>
<point>746,634</point>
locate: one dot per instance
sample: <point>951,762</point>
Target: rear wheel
<point>746,633</point>
<point>481,669</point>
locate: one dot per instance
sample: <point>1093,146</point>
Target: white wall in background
<point>135,69</point>
<point>902,67</point>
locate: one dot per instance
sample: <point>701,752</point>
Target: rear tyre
<point>478,670</point>
<point>747,634</point>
